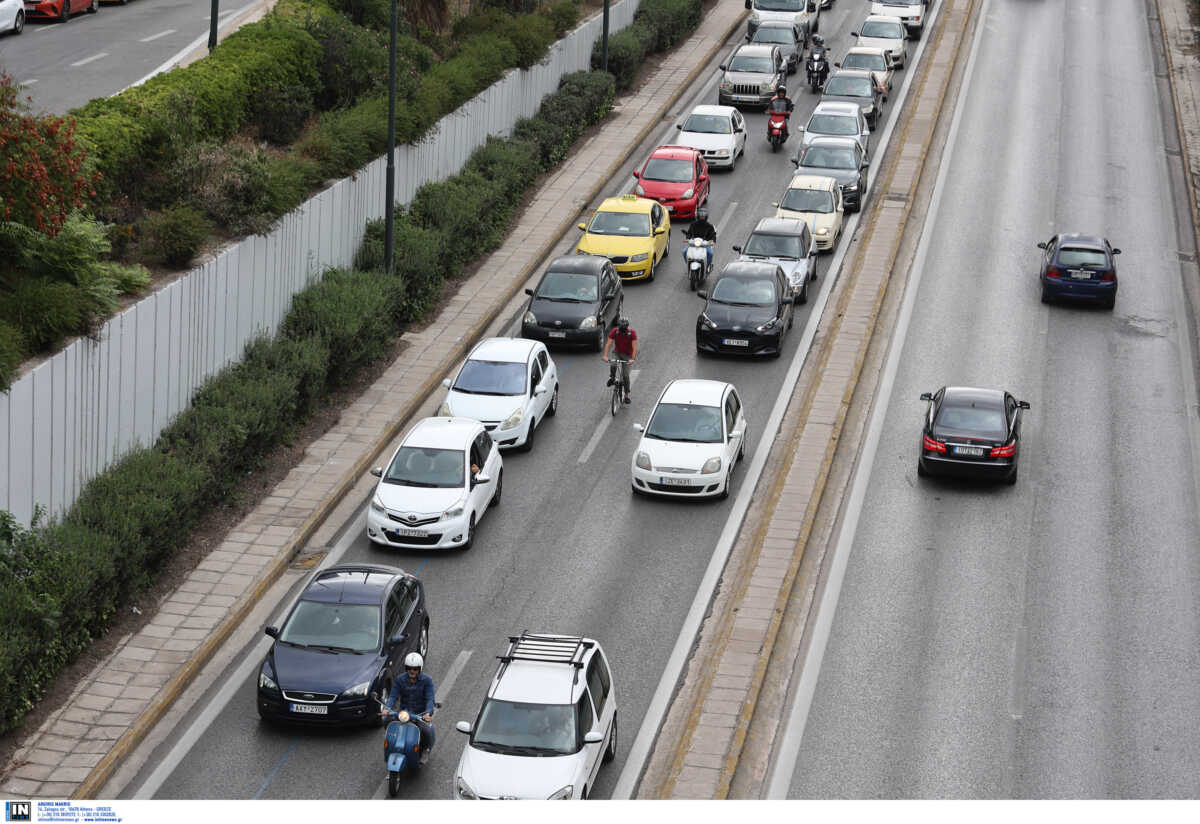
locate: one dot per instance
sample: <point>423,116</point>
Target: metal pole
<point>604,46</point>
<point>212,26</point>
<point>389,206</point>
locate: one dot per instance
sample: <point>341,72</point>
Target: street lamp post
<point>389,205</point>
<point>603,46</point>
<point>212,26</point>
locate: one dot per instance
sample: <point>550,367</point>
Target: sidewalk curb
<point>103,771</point>
<point>1180,131</point>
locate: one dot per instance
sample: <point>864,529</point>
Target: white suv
<point>428,496</point>
<point>549,719</point>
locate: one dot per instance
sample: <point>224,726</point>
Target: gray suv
<point>752,73</point>
<point>788,243</point>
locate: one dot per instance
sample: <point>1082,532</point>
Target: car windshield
<point>708,124</point>
<point>423,466</point>
<point>685,422</point>
<point>746,63</point>
<point>774,34</point>
<point>1068,256</point>
<point>669,170</point>
<point>348,627</point>
<point>832,124</point>
<point>630,224</point>
<point>848,86</point>
<point>828,157</point>
<point>480,377</point>
<point>567,286</point>
<point>883,29</point>
<point>781,246</point>
<point>863,60</point>
<point>808,200</point>
<point>779,5</point>
<point>527,729</point>
<point>972,421</point>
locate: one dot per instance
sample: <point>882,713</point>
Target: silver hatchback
<point>833,118</point>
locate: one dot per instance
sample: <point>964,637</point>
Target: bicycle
<point>619,389</point>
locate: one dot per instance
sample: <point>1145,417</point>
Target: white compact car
<point>12,16</point>
<point>887,33</point>
<point>510,385</point>
<point>696,434</point>
<point>428,497</point>
<point>717,131</point>
<point>549,720</point>
<point>911,12</point>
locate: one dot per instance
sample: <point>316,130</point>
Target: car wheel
<point>64,12</point>
<point>1111,302</point>
<point>95,7</point>
<point>742,448</point>
<point>733,159</point>
<point>495,501</point>
<point>552,409</point>
<point>1045,295</point>
<point>1011,480</point>
<point>385,689</point>
<point>19,23</point>
<point>528,445</point>
<point>802,298</point>
<point>611,752</point>
<point>470,533</point>
<point>653,267</point>
<point>423,641</point>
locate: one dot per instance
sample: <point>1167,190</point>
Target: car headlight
<point>763,88</point>
<point>588,323</point>
<point>563,794</point>
<point>688,193</point>
<point>726,85</point>
<point>514,419</point>
<point>444,409</point>
<point>643,461</point>
<point>707,321</point>
<point>531,318</point>
<point>710,466</point>
<point>456,510</point>
<point>266,682</point>
<point>377,504</point>
<point>638,188</point>
<point>358,690</point>
<point>823,231</point>
<point>766,327</point>
<point>464,790</point>
<point>639,258</point>
<point>722,153</point>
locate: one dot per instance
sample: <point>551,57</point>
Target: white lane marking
<point>780,778</point>
<point>1020,658</point>
<point>28,82</point>
<point>600,430</point>
<point>156,36</point>
<point>251,662</point>
<point>87,60</point>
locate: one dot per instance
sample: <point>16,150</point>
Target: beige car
<point>871,59</point>
<point>818,202</point>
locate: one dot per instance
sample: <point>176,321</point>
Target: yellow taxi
<point>633,232</point>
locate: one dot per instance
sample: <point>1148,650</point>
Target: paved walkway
<point>78,747</point>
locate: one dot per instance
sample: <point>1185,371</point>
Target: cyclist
<point>624,340</point>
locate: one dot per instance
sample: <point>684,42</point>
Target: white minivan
<point>804,14</point>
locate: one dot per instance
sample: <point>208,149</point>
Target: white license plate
<point>1080,274</point>
<point>310,709</point>
<point>412,533</point>
<point>557,334</point>
<point>972,451</point>
<point>735,342</point>
<point>674,481</point>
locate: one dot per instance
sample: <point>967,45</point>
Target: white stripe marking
<point>29,82</point>
<point>87,60</point>
<point>595,441</point>
<point>156,36</point>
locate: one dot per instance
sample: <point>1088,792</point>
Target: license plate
<point>557,334</point>
<point>310,709</point>
<point>674,481</point>
<point>411,533</point>
<point>1080,274</point>
<point>971,451</point>
<point>735,342</point>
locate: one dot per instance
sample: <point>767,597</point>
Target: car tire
<point>529,438</point>
<point>1011,480</point>
<point>1111,303</point>
<point>610,752</point>
<point>733,160</point>
<point>423,641</point>
<point>801,298</point>
<point>495,501</point>
<point>470,533</point>
<point>95,7</point>
<point>64,13</point>
<point>552,409</point>
<point>19,22</point>
<point>1045,295</point>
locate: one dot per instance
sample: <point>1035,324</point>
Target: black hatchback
<point>1079,267</point>
<point>577,300</point>
<point>971,432</point>
<point>747,312</point>
<point>343,642</point>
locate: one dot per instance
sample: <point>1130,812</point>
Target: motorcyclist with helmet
<point>781,103</point>
<point>413,692</point>
<point>818,61</point>
<point>701,228</point>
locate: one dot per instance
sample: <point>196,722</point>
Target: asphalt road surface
<point>63,66</point>
<point>569,550</point>
<point>1042,640</point>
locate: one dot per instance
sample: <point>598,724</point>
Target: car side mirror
<point>446,381</point>
<point>529,292</point>
<point>705,177</point>
<point>776,205</point>
<point>722,66</point>
<point>271,631</point>
<point>637,174</point>
<point>748,35</point>
<point>463,726</point>
<point>749,4</point>
<point>660,230</point>
<point>637,427</point>
<point>377,471</point>
<point>1116,251</point>
<point>854,34</point>
<point>737,433</point>
<point>739,248</point>
<point>541,390</point>
<point>703,295</point>
<point>837,65</point>
<point>482,478</point>
<point>399,638</point>
<point>796,162</point>
<point>1023,404</point>
<point>1042,245</point>
<point>926,396</point>
<point>866,162</point>
<point>593,737</point>
<point>583,226</point>
<point>679,127</point>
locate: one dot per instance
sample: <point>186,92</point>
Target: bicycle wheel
<point>616,397</point>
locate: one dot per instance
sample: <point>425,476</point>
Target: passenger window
<point>736,404</point>
<point>544,360</point>
<point>805,239</point>
<point>536,378</point>
<point>584,717</point>
<point>595,685</point>
<point>483,448</point>
<point>395,611</point>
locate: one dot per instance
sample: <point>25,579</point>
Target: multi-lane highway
<point>1040,640</point>
<point>569,550</point>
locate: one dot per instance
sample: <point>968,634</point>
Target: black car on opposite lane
<point>1079,266</point>
<point>577,300</point>
<point>343,642</point>
<point>747,312</point>
<point>971,432</point>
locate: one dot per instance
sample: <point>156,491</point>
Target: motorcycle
<point>401,745</point>
<point>697,262</point>
<point>777,132</point>
<point>818,68</point>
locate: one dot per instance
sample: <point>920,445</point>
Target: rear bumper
<point>996,469</point>
<point>554,335</point>
<point>1079,289</point>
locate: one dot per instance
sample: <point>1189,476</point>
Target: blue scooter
<point>401,746</point>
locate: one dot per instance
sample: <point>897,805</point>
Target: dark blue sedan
<point>343,642</point>
<point>1080,267</point>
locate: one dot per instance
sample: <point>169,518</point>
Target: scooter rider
<point>782,103</point>
<point>818,61</point>
<point>701,228</point>
<point>413,692</point>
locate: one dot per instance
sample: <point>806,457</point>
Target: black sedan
<point>343,642</point>
<point>841,158</point>
<point>577,300</point>
<point>748,311</point>
<point>1081,267</point>
<point>971,432</point>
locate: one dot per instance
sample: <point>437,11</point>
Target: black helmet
<point>623,323</point>
<point>702,213</point>
<point>818,40</point>
<point>781,91</point>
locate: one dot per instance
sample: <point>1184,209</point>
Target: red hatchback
<point>59,9</point>
<point>677,177</point>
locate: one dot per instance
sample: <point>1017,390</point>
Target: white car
<point>428,497</point>
<point>872,60</point>
<point>549,720</point>
<point>834,118</point>
<point>911,13</point>
<point>510,385</point>
<point>12,16</point>
<point>717,131</point>
<point>816,200</point>
<point>696,434</point>
<point>887,33</point>
<point>804,14</point>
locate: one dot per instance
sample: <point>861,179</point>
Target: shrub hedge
<point>657,26</point>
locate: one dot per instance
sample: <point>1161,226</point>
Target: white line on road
<point>29,82</point>
<point>600,430</point>
<point>156,36</point>
<point>87,60</point>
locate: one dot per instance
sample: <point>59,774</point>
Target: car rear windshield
<point>972,421</point>
<point>426,467</point>
<point>832,124</point>
<point>669,170</point>
<point>1068,256</point>
<point>883,30</point>
<point>774,34</point>
<point>808,200</point>
<point>630,224</point>
<point>783,246</point>
<point>744,291</point>
<point>828,157</point>
<point>521,728</point>
<point>746,63</point>
<point>863,60</point>
<point>568,286</point>
<point>349,627</point>
<point>848,86</point>
<point>480,377</point>
<point>708,124</point>
<point>685,422</point>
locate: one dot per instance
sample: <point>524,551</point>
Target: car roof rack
<point>550,649</point>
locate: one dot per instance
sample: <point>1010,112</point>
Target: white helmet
<point>414,659</point>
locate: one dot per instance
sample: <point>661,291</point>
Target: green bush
<point>658,25</point>
<point>174,235</point>
<point>12,352</point>
<point>343,140</point>
<point>563,14</point>
<point>532,34</point>
<point>46,311</point>
<point>671,20</point>
<point>289,180</point>
<point>280,112</point>
<point>374,14</point>
<point>354,61</point>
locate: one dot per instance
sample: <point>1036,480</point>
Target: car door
<point>600,688</point>
<point>1013,412</point>
<point>393,623</point>
<point>739,132</point>
<point>701,179</point>
<point>533,401</point>
<point>809,245</point>
<point>658,220</point>
<point>730,415</point>
<point>610,291</point>
<point>480,494</point>
<point>864,133</point>
<point>546,384</point>
<point>585,722</point>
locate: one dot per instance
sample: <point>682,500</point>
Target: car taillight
<point>1108,277</point>
<point>1052,272</point>
<point>931,445</point>
<point>1004,451</point>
